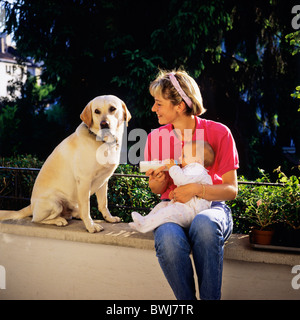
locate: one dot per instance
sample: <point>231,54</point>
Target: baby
<point>192,170</point>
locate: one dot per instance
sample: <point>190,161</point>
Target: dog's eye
<point>112,109</point>
<point>97,111</point>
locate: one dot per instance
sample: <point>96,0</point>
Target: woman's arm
<point>220,192</point>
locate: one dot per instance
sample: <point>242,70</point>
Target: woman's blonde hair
<point>162,85</point>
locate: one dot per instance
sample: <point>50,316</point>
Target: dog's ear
<point>86,115</point>
<point>127,115</point>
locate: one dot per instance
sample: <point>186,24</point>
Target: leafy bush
<point>127,194</point>
<point>290,200</point>
<point>17,183</point>
<point>122,192</point>
<point>259,205</point>
<point>21,161</point>
<point>130,192</point>
<point>265,205</point>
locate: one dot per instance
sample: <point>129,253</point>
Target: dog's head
<point>104,115</point>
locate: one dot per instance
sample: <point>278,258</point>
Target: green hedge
<point>135,193</point>
<point>122,191</point>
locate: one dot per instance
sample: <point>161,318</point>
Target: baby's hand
<point>169,163</point>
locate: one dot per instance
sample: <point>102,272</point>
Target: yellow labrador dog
<point>79,167</point>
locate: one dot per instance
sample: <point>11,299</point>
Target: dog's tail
<point>16,215</point>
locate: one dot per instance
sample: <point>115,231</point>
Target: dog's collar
<point>90,131</point>
<point>100,139</point>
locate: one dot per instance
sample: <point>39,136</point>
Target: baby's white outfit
<point>176,212</point>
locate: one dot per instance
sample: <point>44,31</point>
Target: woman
<point>178,102</point>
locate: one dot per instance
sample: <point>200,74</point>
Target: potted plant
<point>262,213</point>
<point>262,207</point>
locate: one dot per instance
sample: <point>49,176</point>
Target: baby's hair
<point>209,155</point>
<point>162,85</point>
<point>204,152</point>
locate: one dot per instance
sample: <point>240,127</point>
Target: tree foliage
<point>26,124</point>
<point>243,54</point>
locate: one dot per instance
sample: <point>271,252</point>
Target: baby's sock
<point>139,223</point>
<point>137,218</point>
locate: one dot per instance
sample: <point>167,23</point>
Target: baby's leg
<point>175,212</point>
<point>150,222</point>
<point>141,223</point>
<point>159,206</point>
<point>202,205</point>
<point>145,224</point>
<point>181,214</point>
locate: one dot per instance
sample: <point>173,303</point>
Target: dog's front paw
<point>95,227</point>
<point>112,219</point>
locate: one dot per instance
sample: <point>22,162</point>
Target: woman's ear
<point>180,107</point>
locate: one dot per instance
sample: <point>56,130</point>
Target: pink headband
<point>179,90</point>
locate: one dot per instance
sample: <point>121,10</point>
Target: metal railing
<point>17,194</point>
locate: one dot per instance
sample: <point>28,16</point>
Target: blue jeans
<point>205,240</point>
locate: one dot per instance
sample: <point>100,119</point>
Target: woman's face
<point>164,109</point>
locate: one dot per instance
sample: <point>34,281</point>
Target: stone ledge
<point>120,234</point>
<point>238,248</point>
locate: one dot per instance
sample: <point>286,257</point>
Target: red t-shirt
<point>162,143</point>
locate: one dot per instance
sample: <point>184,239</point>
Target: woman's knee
<point>171,241</point>
<point>205,228</point>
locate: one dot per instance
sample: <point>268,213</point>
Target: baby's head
<point>198,151</point>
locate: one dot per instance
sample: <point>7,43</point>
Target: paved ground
<point>118,264</point>
<point>258,281</point>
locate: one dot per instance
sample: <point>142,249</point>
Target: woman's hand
<point>158,180</point>
<point>158,175</point>
<point>184,193</point>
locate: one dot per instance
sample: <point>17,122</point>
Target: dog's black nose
<point>104,124</point>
